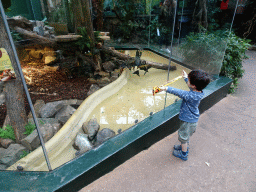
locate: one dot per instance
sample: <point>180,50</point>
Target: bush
<point>232,63</point>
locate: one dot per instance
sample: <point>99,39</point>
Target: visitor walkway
<point>222,155</point>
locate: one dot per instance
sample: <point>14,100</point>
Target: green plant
<point>232,63</point>
<point>16,36</point>
<point>204,50</point>
<point>7,133</point>
<point>85,41</point>
<point>25,153</point>
<point>29,128</point>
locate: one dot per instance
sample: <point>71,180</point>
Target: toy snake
<point>157,89</point>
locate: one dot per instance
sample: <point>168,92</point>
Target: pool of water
<point>135,100</point>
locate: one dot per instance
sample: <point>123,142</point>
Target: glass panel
<point>64,72</point>
<point>18,137</point>
<point>127,22</point>
<point>202,40</point>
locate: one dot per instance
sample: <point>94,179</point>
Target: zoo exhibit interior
<point>123,49</point>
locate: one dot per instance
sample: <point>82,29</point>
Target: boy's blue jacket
<point>189,111</point>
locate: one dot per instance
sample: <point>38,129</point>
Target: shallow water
<point>135,100</point>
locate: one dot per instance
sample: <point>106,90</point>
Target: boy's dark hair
<point>199,78</point>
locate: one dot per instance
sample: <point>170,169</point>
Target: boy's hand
<point>162,88</point>
<point>184,74</point>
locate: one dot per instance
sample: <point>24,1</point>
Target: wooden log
<point>36,38</point>
<point>129,59</point>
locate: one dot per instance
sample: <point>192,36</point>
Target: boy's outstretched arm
<point>178,92</point>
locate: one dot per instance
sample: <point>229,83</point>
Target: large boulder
<point>37,106</point>
<point>104,135</point>
<point>65,113</point>
<point>32,141</point>
<point>91,128</point>
<point>103,81</point>
<point>93,89</point>
<point>50,109</point>
<point>12,154</point>
<point>83,143</point>
<point>108,66</point>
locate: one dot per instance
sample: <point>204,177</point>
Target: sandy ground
<point>222,154</point>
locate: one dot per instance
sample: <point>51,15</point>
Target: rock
<point>5,143</point>
<point>65,113</point>
<point>12,154</point>
<point>37,106</point>
<point>43,121</point>
<point>2,98</point>
<point>70,102</point>
<point>20,168</point>
<point>103,82</point>
<point>35,54</point>
<point>104,135</point>
<point>3,167</point>
<point>50,109</point>
<point>2,152</point>
<point>79,102</point>
<point>32,141</point>
<point>83,143</point>
<point>108,66</point>
<point>39,30</point>
<point>52,121</point>
<point>103,74</point>
<point>93,89</point>
<point>48,60</point>
<point>92,80</point>
<point>91,128</point>
<point>63,119</point>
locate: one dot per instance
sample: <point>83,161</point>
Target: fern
<point>7,133</point>
<point>29,128</point>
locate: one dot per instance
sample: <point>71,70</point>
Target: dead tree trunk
<point>200,15</point>
<point>78,18</point>
<point>90,32</point>
<point>129,59</point>
<point>99,7</point>
<point>14,93</point>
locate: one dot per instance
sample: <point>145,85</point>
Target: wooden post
<point>14,92</point>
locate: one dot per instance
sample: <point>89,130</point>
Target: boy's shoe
<point>178,153</point>
<point>178,147</point>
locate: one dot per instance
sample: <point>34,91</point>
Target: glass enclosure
<point>74,78</point>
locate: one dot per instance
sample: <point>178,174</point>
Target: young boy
<point>196,80</point>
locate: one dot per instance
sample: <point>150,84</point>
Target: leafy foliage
<point>232,63</point>
<point>130,23</point>
<point>7,133</point>
<point>85,42</point>
<point>204,50</point>
<point>29,128</point>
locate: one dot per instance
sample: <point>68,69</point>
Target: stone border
<point>65,136</point>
